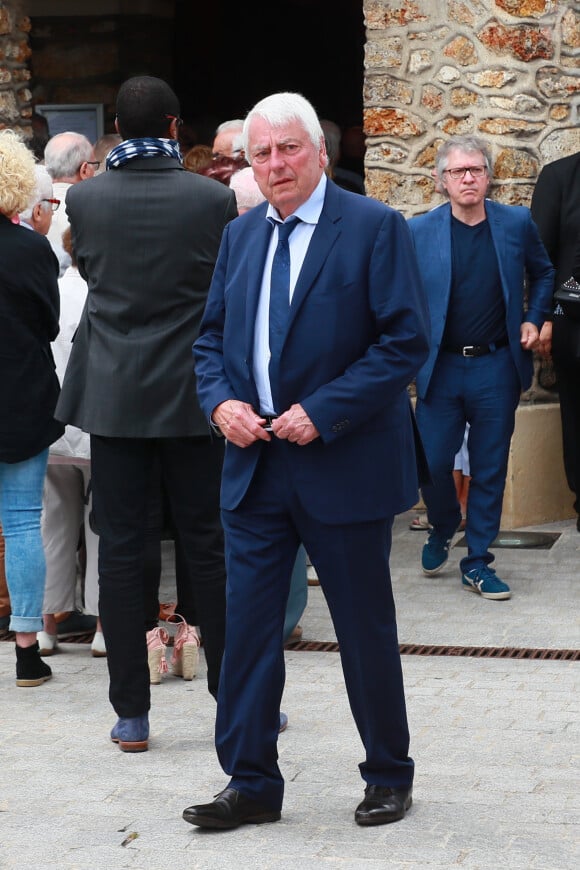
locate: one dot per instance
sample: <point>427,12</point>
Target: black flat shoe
<point>230,809</point>
<point>383,805</point>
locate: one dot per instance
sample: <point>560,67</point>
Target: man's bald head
<point>68,157</point>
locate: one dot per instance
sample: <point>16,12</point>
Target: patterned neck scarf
<point>146,147</point>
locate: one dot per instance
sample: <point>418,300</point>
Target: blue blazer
<point>520,255</point>
<point>357,335</point>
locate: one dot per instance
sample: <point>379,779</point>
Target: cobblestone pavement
<point>495,741</point>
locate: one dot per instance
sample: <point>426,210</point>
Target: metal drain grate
<point>480,652</point>
<point>406,649</point>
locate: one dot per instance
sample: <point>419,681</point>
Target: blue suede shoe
<point>435,553</point>
<point>132,734</point>
<point>486,583</point>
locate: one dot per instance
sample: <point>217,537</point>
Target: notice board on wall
<point>85,118</point>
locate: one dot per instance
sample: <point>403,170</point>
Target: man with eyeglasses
<point>475,256</point>
<point>227,152</point>
<point>39,214</point>
<point>69,158</point>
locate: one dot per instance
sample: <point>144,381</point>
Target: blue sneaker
<point>283,722</point>
<point>485,581</point>
<point>435,553</point>
<point>132,734</point>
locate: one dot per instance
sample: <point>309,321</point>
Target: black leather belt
<point>475,349</point>
<point>269,418</point>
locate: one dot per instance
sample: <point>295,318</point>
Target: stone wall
<point>85,58</point>
<point>15,96</point>
<point>507,70</point>
<point>78,58</point>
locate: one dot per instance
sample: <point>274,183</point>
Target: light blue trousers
<point>298,595</point>
<point>21,485</point>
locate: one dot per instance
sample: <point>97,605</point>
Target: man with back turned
<point>146,234</point>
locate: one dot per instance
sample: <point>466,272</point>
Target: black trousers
<point>122,479</point>
<point>566,356</point>
<point>160,527</point>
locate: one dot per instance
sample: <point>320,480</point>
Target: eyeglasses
<point>459,172</point>
<point>176,118</point>
<point>95,163</point>
<point>223,159</point>
<point>54,203</point>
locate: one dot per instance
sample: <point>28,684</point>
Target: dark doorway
<point>230,54</point>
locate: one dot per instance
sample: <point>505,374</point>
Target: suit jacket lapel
<point>255,258</point>
<point>323,239</point>
<point>444,249</point>
<point>499,241</point>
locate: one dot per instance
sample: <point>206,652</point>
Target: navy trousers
<point>484,392</point>
<point>352,562</point>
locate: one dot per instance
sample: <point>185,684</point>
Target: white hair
<point>235,124</point>
<point>65,153</point>
<point>279,110</point>
<point>42,190</point>
<point>246,189</point>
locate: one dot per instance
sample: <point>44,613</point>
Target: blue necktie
<point>279,300</point>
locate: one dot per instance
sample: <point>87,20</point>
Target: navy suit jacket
<point>520,255</point>
<point>357,335</point>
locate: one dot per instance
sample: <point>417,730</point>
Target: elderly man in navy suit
<point>306,349</point>
<point>475,255</point>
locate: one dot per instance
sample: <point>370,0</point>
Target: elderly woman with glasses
<point>29,312</point>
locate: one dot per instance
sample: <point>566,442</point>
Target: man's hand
<point>529,336</point>
<point>239,423</point>
<point>545,347</point>
<point>295,425</point>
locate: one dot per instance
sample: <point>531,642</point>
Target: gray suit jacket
<point>146,238</point>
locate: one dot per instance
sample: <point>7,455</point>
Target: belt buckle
<point>466,350</point>
<point>268,424</point>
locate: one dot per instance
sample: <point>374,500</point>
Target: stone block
<point>515,163</point>
<point>536,491</point>
<point>524,41</point>
<point>462,51</point>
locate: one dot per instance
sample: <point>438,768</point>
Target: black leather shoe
<point>230,809</point>
<point>383,805</point>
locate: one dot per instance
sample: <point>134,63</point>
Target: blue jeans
<point>298,595</point>
<point>21,486</point>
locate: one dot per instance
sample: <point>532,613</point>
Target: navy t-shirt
<point>476,312</point>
